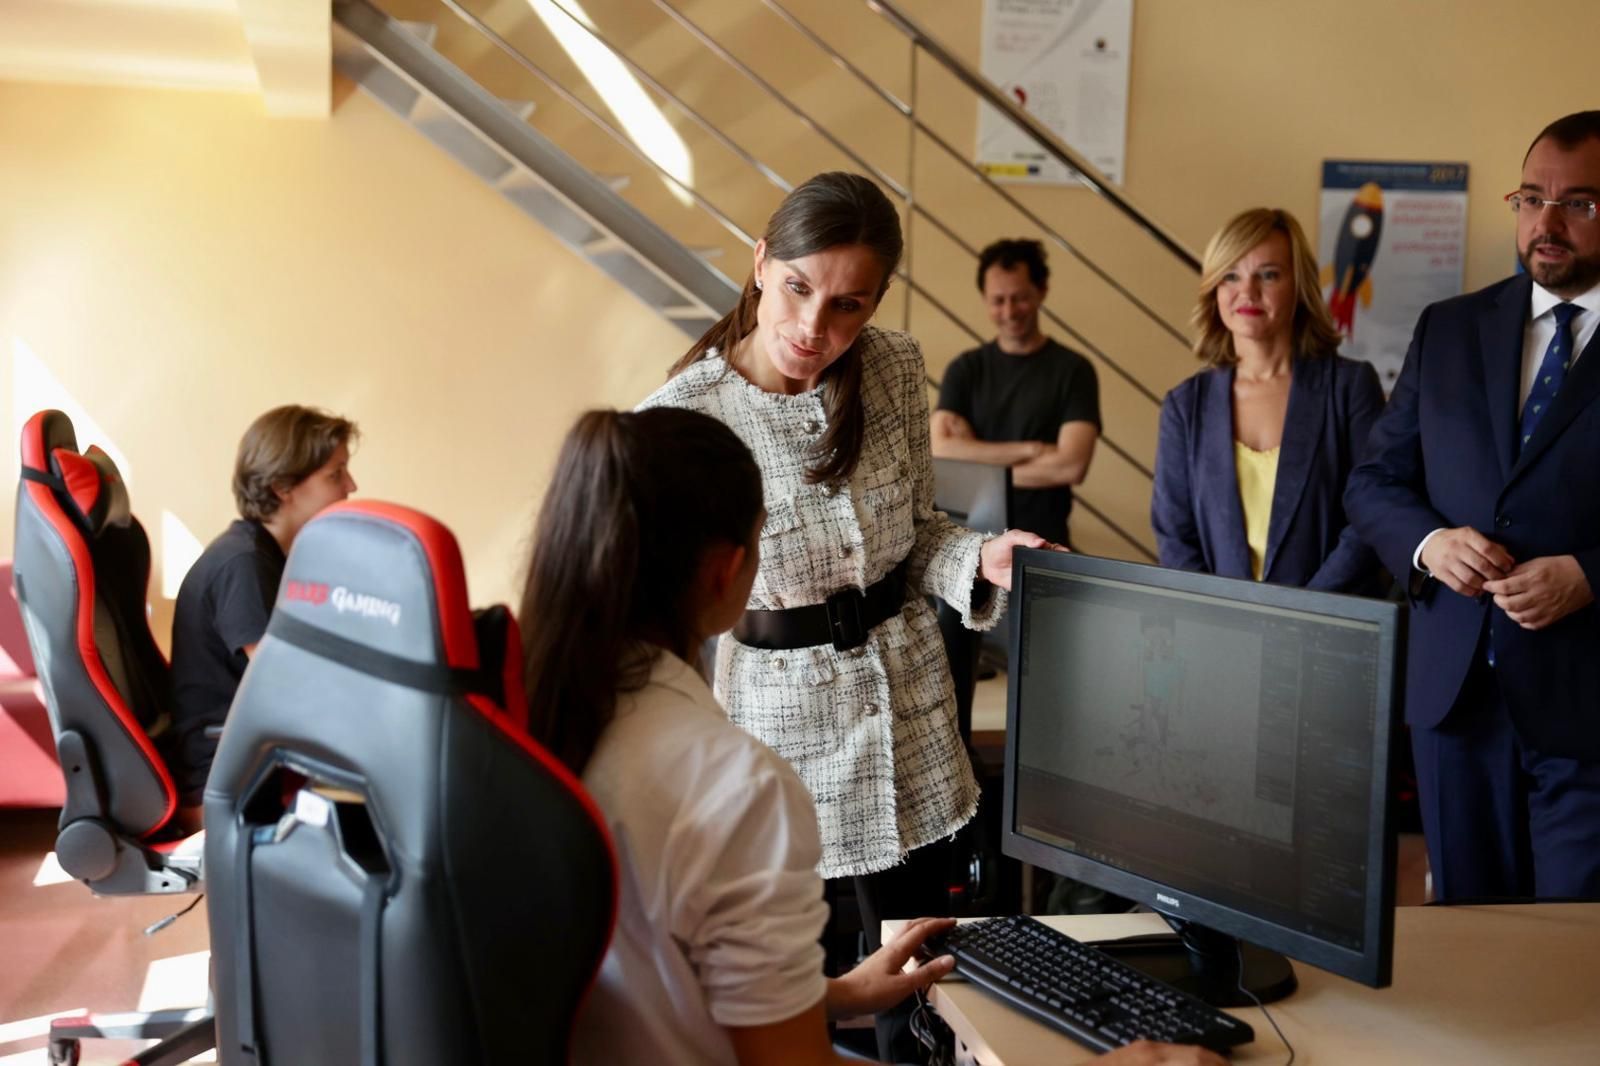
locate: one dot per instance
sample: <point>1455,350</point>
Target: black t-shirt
<point>223,607</point>
<point>1025,397</point>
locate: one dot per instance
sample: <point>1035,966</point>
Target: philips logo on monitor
<point>1168,900</point>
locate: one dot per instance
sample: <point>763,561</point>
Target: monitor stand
<point>1205,963</point>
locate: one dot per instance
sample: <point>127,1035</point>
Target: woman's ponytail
<point>636,500</point>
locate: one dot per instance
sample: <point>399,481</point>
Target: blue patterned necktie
<point>1552,372</point>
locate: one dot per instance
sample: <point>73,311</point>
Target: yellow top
<point>1258,473</point>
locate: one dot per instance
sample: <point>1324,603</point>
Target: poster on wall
<point>1392,241</point>
<point>1065,62</point>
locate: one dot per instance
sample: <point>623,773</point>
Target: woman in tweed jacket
<point>835,412</point>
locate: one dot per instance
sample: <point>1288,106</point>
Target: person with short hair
<point>1254,450</point>
<point>292,462</point>
<point>1479,486</point>
<point>1022,400</point>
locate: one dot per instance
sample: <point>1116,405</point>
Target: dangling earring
<point>758,284</point>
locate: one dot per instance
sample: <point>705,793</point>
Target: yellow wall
<point>1233,103</point>
<point>180,263</point>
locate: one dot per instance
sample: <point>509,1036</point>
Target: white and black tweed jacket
<point>872,731</point>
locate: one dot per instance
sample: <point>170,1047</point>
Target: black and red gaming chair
<point>397,873</point>
<point>81,575</point>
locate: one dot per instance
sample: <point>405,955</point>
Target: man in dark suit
<point>1482,481</point>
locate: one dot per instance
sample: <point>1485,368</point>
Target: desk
<point>1472,985</point>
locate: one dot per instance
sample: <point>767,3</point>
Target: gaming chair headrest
<point>87,484</point>
<point>381,577</point>
<point>381,588</point>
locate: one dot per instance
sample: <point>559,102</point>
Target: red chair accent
<point>82,570</point>
<point>396,871</point>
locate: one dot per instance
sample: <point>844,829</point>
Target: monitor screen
<point>1215,749</point>
<point>975,495</point>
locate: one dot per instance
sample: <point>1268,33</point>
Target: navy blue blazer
<point>1444,454</point>
<point>1195,510</point>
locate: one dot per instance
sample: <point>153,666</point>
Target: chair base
<point>183,1034</point>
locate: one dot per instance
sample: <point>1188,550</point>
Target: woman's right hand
<point>994,559</point>
<point>1150,1053</point>
<point>881,980</point>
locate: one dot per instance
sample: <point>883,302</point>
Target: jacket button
<point>778,663</point>
<point>872,710</point>
<point>830,490</point>
<point>813,427</point>
<point>1502,521</point>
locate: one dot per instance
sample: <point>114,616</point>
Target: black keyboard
<point>1080,990</point>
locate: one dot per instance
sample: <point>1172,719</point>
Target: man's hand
<point>881,980</point>
<point>951,425</point>
<point>1541,591</point>
<point>1464,559</point>
<point>952,437</point>
<point>1148,1053</point>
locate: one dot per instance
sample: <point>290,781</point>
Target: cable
<point>932,1033</point>
<point>1238,946</point>
<point>156,927</point>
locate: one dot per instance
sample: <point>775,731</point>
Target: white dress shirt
<point>1541,326</point>
<point>1536,334</point>
<point>721,907</point>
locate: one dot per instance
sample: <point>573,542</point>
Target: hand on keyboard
<point>881,979</point>
<point>1148,1053</point>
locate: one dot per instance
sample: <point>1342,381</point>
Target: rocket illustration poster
<point>1392,241</point>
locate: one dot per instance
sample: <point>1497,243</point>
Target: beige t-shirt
<point>721,907</point>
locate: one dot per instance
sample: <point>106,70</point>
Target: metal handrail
<point>956,154</point>
<point>706,125</point>
<point>773,177</point>
<point>554,84</point>
<point>1064,153</point>
<point>772,91</point>
<point>519,147</point>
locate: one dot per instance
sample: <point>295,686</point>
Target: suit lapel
<point>1302,431</point>
<point>1218,468</point>
<point>1500,347</point>
<point>1577,392</point>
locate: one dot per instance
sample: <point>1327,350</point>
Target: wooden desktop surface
<point>1490,985</point>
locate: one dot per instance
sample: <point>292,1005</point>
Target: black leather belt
<point>844,620</point>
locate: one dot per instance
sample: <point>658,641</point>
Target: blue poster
<point>1392,241</point>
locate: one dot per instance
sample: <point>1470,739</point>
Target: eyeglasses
<point>1575,210</point>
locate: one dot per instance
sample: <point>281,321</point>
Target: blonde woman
<point>1255,449</point>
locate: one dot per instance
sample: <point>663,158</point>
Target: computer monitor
<point>1215,749</point>
<point>975,495</point>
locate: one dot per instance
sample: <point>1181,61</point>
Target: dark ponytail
<point>828,211</point>
<point>636,501</point>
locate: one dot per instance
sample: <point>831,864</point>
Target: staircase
<point>654,137</point>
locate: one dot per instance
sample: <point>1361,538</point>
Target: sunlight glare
<point>179,550</point>
<point>34,389</point>
<point>623,94</point>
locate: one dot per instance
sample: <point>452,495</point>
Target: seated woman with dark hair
<point>648,542</point>
<point>292,462</point>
